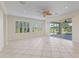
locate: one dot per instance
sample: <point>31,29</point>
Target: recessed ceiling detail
<point>33,9</point>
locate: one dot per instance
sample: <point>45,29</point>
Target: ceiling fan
<point>46,13</point>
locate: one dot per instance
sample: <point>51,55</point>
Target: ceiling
<point>34,9</point>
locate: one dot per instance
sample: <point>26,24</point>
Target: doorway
<point>61,29</point>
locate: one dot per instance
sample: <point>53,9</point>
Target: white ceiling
<point>34,9</point>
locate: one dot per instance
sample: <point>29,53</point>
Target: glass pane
<point>22,27</point>
<point>67,28</point>
<point>54,29</point>
<point>36,26</point>
<point>17,27</point>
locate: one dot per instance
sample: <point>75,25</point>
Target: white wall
<point>75,36</point>
<point>4,22</point>
<point>12,35</point>
<point>1,30</point>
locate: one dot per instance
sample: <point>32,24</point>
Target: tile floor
<point>41,47</point>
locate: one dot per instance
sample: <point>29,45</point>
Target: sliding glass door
<point>54,28</point>
<point>62,29</point>
<point>67,29</point>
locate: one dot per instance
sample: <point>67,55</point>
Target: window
<point>22,27</point>
<point>67,27</point>
<point>36,26</point>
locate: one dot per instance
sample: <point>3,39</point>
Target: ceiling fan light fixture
<point>46,13</point>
